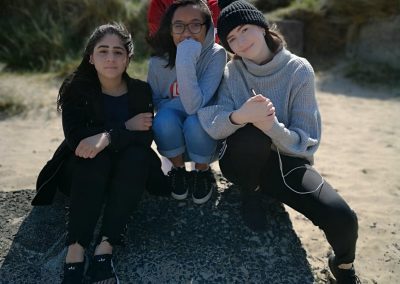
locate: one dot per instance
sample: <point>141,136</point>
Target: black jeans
<point>113,179</point>
<point>248,151</point>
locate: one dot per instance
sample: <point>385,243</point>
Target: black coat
<point>83,116</point>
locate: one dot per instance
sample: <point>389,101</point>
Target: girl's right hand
<point>254,110</point>
<point>140,122</point>
<point>91,146</point>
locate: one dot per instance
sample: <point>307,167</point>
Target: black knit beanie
<point>237,13</point>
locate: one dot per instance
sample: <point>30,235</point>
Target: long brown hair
<point>85,72</point>
<point>274,39</point>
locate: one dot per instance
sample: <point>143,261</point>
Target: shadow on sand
<point>167,242</point>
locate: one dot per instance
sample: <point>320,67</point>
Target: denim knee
<point>167,123</point>
<point>168,133</point>
<point>201,147</point>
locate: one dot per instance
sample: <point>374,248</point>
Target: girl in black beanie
<point>267,113</point>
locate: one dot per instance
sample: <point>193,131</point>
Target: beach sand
<point>359,155</point>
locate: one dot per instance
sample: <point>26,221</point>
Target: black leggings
<point>248,162</point>
<point>114,179</point>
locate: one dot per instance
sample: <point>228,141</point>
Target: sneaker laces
<point>174,173</point>
<point>206,177</point>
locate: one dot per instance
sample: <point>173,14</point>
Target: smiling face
<point>248,42</point>
<point>110,57</point>
<point>186,15</point>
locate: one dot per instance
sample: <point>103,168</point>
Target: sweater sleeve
<point>196,91</point>
<point>74,119</point>
<point>215,119</point>
<point>302,134</point>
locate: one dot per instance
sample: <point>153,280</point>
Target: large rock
<point>293,32</point>
<point>377,41</point>
<point>167,242</point>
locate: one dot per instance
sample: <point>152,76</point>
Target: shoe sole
<point>205,198</point>
<point>179,196</point>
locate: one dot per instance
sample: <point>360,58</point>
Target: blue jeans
<point>176,133</point>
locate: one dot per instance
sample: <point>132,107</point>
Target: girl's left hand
<point>91,146</point>
<point>267,123</point>
<point>140,122</point>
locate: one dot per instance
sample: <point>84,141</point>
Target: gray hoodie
<point>193,82</point>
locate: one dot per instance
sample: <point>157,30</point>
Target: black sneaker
<point>101,270</point>
<point>178,178</point>
<point>203,185</point>
<point>342,276</point>
<point>73,273</point>
<point>253,210</point>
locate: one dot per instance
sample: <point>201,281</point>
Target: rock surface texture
<point>166,242</point>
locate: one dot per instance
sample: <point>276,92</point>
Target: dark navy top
<point>116,111</point>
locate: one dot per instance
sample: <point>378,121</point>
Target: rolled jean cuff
<point>172,153</point>
<point>201,159</point>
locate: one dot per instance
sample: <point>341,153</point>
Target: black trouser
<point>114,179</point>
<point>248,151</point>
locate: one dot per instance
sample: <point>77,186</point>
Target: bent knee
<point>166,121</point>
<point>246,136</point>
<point>193,128</point>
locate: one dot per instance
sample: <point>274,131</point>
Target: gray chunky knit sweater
<point>288,81</point>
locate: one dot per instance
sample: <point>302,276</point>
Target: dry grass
<point>34,95</point>
<point>42,35</point>
<point>10,106</point>
<point>28,95</point>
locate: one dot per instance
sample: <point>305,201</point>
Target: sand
<point>359,155</point>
